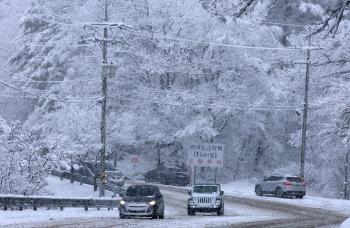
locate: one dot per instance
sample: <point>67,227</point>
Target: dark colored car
<point>92,169</point>
<point>142,201</point>
<point>168,175</point>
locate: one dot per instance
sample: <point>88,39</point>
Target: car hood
<point>215,194</point>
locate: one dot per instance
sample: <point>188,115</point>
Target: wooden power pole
<point>306,106</point>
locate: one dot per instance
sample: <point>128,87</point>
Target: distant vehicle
<point>206,198</point>
<point>142,201</point>
<point>282,186</point>
<point>92,169</point>
<point>168,175</point>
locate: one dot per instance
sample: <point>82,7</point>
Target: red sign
<point>135,160</point>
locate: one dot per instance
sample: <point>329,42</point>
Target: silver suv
<point>282,186</point>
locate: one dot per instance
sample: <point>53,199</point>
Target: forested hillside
<point>226,71</point>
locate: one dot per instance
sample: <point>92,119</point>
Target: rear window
<point>141,191</point>
<point>295,179</point>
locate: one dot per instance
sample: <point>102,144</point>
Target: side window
<point>276,178</point>
<point>267,178</point>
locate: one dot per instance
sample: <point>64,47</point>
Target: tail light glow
<point>288,184</point>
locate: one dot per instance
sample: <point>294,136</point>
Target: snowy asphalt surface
<point>175,216</point>
<point>239,212</point>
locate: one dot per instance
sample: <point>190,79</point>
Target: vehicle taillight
<point>288,184</point>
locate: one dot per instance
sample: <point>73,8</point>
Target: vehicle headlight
<point>152,203</point>
<point>122,202</point>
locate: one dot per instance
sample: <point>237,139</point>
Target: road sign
<point>135,160</point>
<point>206,155</point>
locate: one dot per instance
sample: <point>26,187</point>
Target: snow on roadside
<point>63,188</point>
<point>59,188</point>
<point>245,188</point>
<point>345,224</point>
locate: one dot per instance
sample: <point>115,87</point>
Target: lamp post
<point>346,182</point>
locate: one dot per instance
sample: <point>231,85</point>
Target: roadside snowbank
<point>246,188</point>
<point>59,188</point>
<point>63,188</point>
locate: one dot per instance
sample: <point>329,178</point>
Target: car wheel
<point>155,214</point>
<point>258,190</point>
<point>220,211</point>
<point>121,216</point>
<point>161,216</point>
<point>279,192</point>
<point>191,212</point>
<point>299,196</point>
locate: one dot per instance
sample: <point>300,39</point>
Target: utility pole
<point>108,70</point>
<point>158,155</point>
<point>306,106</point>
<point>346,179</point>
<point>104,106</point>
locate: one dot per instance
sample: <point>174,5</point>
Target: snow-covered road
<point>175,213</point>
<point>239,212</point>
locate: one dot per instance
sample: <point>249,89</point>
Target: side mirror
<point>265,178</point>
<point>121,195</point>
<point>189,192</point>
<point>221,193</point>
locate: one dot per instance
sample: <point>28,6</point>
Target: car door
<point>273,183</point>
<point>265,184</point>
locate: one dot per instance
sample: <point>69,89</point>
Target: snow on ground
<point>59,188</point>
<point>15,218</point>
<point>345,224</point>
<point>246,188</point>
<point>63,188</point>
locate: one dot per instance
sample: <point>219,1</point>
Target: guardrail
<point>35,202</point>
<point>87,180</point>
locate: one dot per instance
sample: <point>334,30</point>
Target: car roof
<point>206,185</point>
<point>284,175</point>
<point>142,185</point>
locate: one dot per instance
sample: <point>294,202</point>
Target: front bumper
<point>137,212</point>
<point>296,193</point>
<point>204,208</point>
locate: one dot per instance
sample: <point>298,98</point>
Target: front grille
<point>136,209</point>
<point>205,200</point>
<point>133,211</point>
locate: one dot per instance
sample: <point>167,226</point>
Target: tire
<point>299,196</point>
<point>155,214</point>
<point>121,216</point>
<point>161,216</point>
<point>220,212</point>
<point>258,190</point>
<point>279,192</point>
<point>191,212</point>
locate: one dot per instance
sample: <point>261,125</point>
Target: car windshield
<point>141,191</point>
<point>205,189</point>
<point>295,179</point>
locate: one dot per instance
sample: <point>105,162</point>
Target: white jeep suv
<point>205,198</point>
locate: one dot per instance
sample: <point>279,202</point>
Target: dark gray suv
<point>281,186</point>
<point>142,201</point>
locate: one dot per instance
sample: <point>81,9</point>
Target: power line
<point>222,44</point>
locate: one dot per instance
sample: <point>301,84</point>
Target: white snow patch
<point>63,188</point>
<point>245,188</point>
<point>345,224</point>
